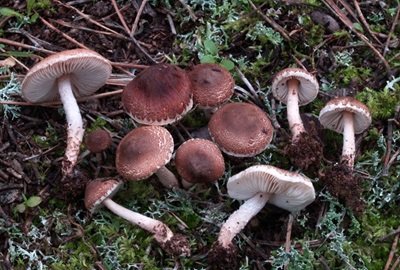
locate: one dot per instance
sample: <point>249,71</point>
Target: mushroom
<point>296,87</point>
<point>258,185</point>
<point>212,85</point>
<point>145,151</point>
<point>64,75</point>
<point>241,129</point>
<point>99,193</point>
<point>348,116</point>
<point>159,95</point>
<point>199,161</point>
<point>98,140</point>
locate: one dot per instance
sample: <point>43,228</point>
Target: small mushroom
<point>212,85</point>
<point>348,116</point>
<point>258,185</point>
<point>64,75</point>
<point>296,87</point>
<point>159,95</point>
<point>145,151</point>
<point>241,129</point>
<point>99,193</point>
<point>98,140</point>
<point>199,161</point>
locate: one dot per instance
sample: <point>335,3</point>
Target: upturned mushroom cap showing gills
<point>307,89</point>
<point>241,129</point>
<point>288,190</point>
<point>199,161</point>
<point>143,151</point>
<point>212,85</point>
<point>159,95</point>
<point>87,70</point>
<point>331,116</point>
<point>97,191</point>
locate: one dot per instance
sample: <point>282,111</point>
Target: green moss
<point>382,104</point>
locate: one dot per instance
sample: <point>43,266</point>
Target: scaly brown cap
<point>98,140</point>
<point>212,85</point>
<point>199,161</point>
<point>97,191</point>
<point>159,95</point>
<point>143,151</point>
<point>241,129</point>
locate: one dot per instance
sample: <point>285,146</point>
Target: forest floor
<point>351,47</point>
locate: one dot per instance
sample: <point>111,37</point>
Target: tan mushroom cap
<point>159,95</point>
<point>308,85</point>
<point>199,161</point>
<point>98,190</point>
<point>288,190</point>
<point>241,129</point>
<point>143,151</point>
<point>98,140</point>
<point>331,116</point>
<point>88,72</point>
<point>212,85</point>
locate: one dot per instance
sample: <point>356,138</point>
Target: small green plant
<point>30,202</point>
<point>382,104</point>
<point>30,15</point>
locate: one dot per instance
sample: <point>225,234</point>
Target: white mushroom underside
<point>87,74</point>
<point>331,117</point>
<point>308,86</point>
<point>288,191</point>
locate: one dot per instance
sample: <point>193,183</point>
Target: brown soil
<point>306,152</point>
<point>342,183</point>
<point>223,258</point>
<point>177,246</point>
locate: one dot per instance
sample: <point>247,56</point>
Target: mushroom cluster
<point>163,94</point>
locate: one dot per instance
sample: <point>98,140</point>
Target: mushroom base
<point>306,152</point>
<point>220,257</point>
<point>342,183</point>
<point>178,245</point>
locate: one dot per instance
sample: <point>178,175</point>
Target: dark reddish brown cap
<point>331,116</point>
<point>98,190</point>
<point>199,161</point>
<point>241,129</point>
<point>159,95</point>
<point>212,85</point>
<point>143,151</point>
<point>98,140</point>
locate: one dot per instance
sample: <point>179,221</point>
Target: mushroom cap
<point>199,161</point>
<point>288,190</point>
<point>212,85</point>
<point>88,71</point>
<point>331,116</point>
<point>308,85</point>
<point>98,140</point>
<point>98,190</point>
<point>241,129</point>
<point>143,151</point>
<point>159,95</point>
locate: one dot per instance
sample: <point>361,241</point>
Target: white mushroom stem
<point>160,231</point>
<point>238,220</point>
<point>167,178</point>
<point>75,125</point>
<point>349,148</point>
<point>293,112</point>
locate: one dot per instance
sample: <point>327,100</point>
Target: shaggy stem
<point>167,178</point>
<point>293,112</point>
<point>349,148</point>
<point>160,231</point>
<point>238,220</point>
<point>75,129</point>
